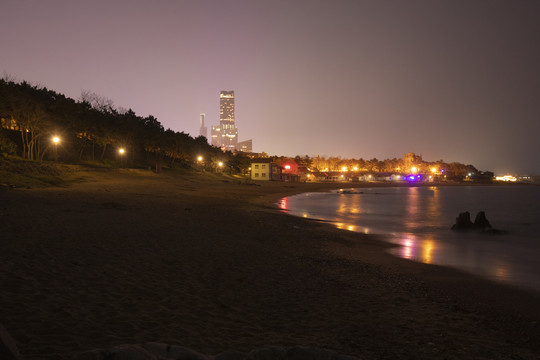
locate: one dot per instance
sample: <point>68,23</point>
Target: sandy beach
<point>209,262</point>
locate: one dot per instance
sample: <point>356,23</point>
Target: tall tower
<point>203,130</point>
<point>225,135</point>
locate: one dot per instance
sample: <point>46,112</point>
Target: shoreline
<point>209,263</point>
<point>519,273</point>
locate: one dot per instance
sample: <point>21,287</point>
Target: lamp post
<point>200,162</point>
<point>121,151</point>
<point>55,141</point>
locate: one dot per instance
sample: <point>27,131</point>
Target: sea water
<point>419,219</point>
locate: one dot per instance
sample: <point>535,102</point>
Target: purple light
<point>411,177</point>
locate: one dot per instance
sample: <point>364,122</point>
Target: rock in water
<point>481,222</point>
<point>463,221</point>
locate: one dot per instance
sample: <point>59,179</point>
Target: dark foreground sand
<point>209,263</point>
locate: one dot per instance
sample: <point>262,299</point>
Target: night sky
<point>452,80</point>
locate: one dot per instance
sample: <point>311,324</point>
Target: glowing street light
<point>56,141</point>
<point>414,169</point>
<point>219,166</point>
<point>200,162</point>
<point>121,151</point>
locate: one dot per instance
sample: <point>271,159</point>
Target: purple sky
<point>452,80</point>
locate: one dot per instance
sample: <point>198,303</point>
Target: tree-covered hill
<point>92,129</point>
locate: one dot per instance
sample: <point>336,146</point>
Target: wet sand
<point>210,263</point>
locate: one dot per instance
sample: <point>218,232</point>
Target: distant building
<point>203,130</point>
<point>225,135</point>
<point>262,170</point>
<point>412,158</point>
<point>9,124</point>
<point>245,146</point>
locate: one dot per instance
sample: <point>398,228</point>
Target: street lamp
<point>55,141</point>
<point>200,162</point>
<point>220,165</point>
<point>121,151</point>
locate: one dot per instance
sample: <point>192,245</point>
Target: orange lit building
<point>268,170</point>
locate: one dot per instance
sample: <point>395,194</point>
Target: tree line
<point>454,171</point>
<point>93,129</point>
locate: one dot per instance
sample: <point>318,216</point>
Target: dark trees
<point>91,129</point>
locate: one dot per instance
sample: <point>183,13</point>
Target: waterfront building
<point>412,163</point>
<point>265,170</point>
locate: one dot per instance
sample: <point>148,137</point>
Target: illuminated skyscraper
<point>225,135</point>
<point>203,130</point>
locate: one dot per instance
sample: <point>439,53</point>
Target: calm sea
<point>419,219</point>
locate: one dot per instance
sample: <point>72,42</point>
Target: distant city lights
<point>506,178</point>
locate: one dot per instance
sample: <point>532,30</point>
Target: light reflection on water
<point>419,220</point>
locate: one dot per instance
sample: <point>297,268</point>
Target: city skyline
<point>225,135</point>
<point>452,80</point>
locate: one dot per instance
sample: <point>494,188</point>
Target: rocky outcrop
<point>159,351</point>
<point>463,221</point>
<point>481,223</point>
